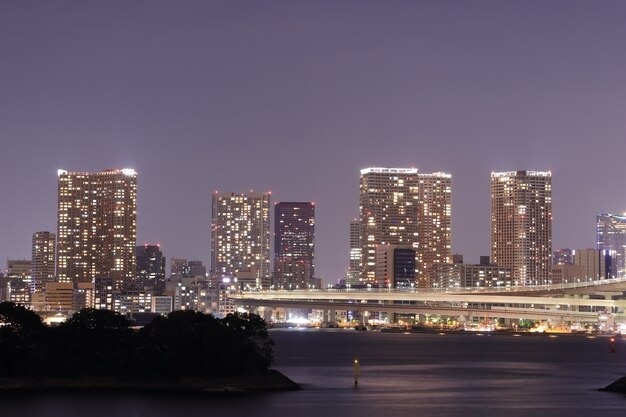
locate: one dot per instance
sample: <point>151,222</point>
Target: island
<point>185,351</point>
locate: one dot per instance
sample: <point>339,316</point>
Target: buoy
<point>612,345</point>
<point>357,371</point>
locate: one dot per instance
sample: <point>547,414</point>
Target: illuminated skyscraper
<point>43,260</point>
<point>294,245</point>
<point>611,236</point>
<point>354,270</point>
<point>521,224</point>
<point>434,233</point>
<point>398,206</point>
<point>240,237</point>
<point>97,226</point>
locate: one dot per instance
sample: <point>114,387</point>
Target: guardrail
<point>456,290</point>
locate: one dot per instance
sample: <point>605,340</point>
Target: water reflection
<point>400,375</point>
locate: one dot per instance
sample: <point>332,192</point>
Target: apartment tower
<point>43,260</point>
<point>97,226</point>
<point>521,224</point>
<point>399,206</point>
<point>294,245</point>
<point>240,238</point>
<point>354,268</point>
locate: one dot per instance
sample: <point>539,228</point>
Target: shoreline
<point>271,381</point>
<point>396,330</point>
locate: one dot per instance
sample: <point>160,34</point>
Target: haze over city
<point>297,97</point>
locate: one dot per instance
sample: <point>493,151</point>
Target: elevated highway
<point>567,302</point>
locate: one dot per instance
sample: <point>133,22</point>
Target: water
<point>401,375</point>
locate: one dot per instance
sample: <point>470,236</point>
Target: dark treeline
<point>101,343</point>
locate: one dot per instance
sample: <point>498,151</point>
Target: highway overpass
<point>568,303</point>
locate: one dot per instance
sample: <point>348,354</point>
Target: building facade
<point>563,256</point>
<point>43,260</point>
<point>595,264</point>
<point>294,244</point>
<point>178,268</point>
<point>18,278</point>
<point>395,266</point>
<point>240,237</point>
<point>611,236</point>
<point>398,206</point>
<point>434,215</point>
<point>521,224</point>
<point>481,275</point>
<point>354,267</point>
<point>97,226</point>
<point>150,265</point>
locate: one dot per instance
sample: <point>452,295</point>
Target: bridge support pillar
<point>608,295</point>
<point>330,316</point>
<point>267,314</point>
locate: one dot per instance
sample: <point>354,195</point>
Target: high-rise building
<point>611,236</point>
<point>150,264</point>
<point>240,238</point>
<point>294,244</point>
<point>43,260</point>
<point>521,224</point>
<point>398,206</point>
<point>354,269</point>
<point>595,264</point>
<point>97,226</point>
<point>434,232</point>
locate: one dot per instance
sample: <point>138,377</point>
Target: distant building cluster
<point>401,239</point>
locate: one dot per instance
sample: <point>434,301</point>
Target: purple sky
<point>296,96</point>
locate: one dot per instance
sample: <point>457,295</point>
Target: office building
<point>566,273</point>
<point>611,236</point>
<point>398,206</point>
<point>97,226</point>
<point>485,274</point>
<point>395,266</point>
<point>43,260</point>
<point>521,224</point>
<point>294,245</point>
<point>178,268</point>
<point>482,275</point>
<point>563,257</point>
<point>595,264</point>
<point>150,265</point>
<point>240,238</point>
<point>18,280</point>
<point>196,269</point>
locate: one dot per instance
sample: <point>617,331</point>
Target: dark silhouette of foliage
<point>101,343</point>
<point>91,342</point>
<point>21,337</point>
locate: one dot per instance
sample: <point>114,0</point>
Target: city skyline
<point>305,95</point>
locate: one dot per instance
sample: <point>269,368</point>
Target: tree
<point>22,334</point>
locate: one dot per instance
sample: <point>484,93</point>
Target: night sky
<point>296,96</point>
